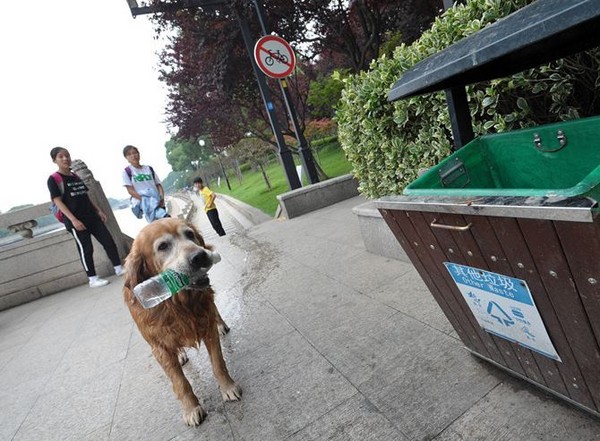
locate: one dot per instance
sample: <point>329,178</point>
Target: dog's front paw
<point>182,357</point>
<point>194,416</point>
<point>231,393</point>
<point>223,329</point>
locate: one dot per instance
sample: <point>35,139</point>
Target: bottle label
<point>174,280</point>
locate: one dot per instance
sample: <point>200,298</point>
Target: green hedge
<point>387,143</point>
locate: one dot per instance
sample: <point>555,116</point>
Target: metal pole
<point>458,108</point>
<point>284,152</point>
<point>306,157</point>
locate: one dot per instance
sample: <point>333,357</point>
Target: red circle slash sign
<point>274,56</point>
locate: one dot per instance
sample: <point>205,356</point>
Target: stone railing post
<point>24,229</point>
<point>96,193</point>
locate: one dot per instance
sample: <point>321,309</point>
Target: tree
<point>185,154</point>
<point>254,151</point>
<point>324,93</point>
<point>356,29</point>
<point>207,71</point>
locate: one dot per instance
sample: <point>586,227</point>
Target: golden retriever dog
<point>187,318</point>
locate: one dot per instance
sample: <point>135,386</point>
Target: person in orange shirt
<point>209,205</point>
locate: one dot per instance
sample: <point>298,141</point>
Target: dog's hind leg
<point>193,413</point>
<point>222,326</point>
<point>230,391</point>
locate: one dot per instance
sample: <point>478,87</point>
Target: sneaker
<point>119,271</point>
<point>97,283</point>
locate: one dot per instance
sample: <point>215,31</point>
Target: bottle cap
<point>215,257</point>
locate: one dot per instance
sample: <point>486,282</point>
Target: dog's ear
<point>136,270</point>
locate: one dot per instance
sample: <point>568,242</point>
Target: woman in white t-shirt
<point>144,187</point>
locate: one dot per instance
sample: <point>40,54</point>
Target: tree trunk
<point>265,177</point>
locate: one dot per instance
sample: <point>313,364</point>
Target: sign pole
<point>306,157</point>
<point>284,152</point>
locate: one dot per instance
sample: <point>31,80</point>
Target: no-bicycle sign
<point>274,56</point>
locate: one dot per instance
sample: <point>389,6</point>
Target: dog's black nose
<point>199,259</point>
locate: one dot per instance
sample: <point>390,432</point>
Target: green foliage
<point>387,143</point>
<point>187,154</point>
<point>176,181</point>
<point>392,41</point>
<point>324,93</point>
<point>324,142</point>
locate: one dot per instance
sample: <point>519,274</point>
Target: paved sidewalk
<point>328,341</point>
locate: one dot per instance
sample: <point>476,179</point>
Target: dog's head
<point>169,244</point>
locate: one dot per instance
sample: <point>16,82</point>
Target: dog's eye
<point>189,234</point>
<point>163,246</point>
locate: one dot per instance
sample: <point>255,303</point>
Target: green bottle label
<point>174,280</point>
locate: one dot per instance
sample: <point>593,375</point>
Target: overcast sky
<point>80,74</point>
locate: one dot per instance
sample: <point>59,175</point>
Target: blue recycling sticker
<point>503,306</point>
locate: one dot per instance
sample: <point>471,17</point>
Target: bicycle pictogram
<point>277,55</point>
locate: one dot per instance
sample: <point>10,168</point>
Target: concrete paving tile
<point>254,323</point>
<point>427,381</point>
<point>367,272</point>
<point>328,251</point>
<point>7,354</point>
<point>329,230</point>
<point>147,408</point>
<point>350,265</point>
<point>294,283</point>
<point>101,323</point>
<point>320,301</point>
<point>410,295</point>
<point>286,386</point>
<point>14,336</point>
<point>335,314</point>
<point>16,403</point>
<point>89,357</point>
<point>341,211</point>
<point>515,411</point>
<point>354,420</point>
<point>99,434</point>
<point>33,361</point>
<point>71,415</point>
<point>214,427</point>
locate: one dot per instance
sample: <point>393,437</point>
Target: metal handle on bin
<point>450,227</point>
<point>560,136</point>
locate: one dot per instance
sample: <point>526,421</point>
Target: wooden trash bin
<point>505,231</point>
<point>517,273</point>
<point>554,251</point>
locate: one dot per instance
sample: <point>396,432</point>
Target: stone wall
<point>303,200</point>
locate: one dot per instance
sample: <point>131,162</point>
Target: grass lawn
<point>253,189</point>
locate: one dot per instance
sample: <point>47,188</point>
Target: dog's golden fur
<point>184,320</point>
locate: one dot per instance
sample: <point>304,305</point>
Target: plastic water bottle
<point>159,288</point>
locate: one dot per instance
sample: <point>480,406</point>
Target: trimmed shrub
<point>387,143</point>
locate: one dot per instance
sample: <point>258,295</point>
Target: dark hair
<point>55,151</point>
<point>198,180</point>
<point>129,147</point>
